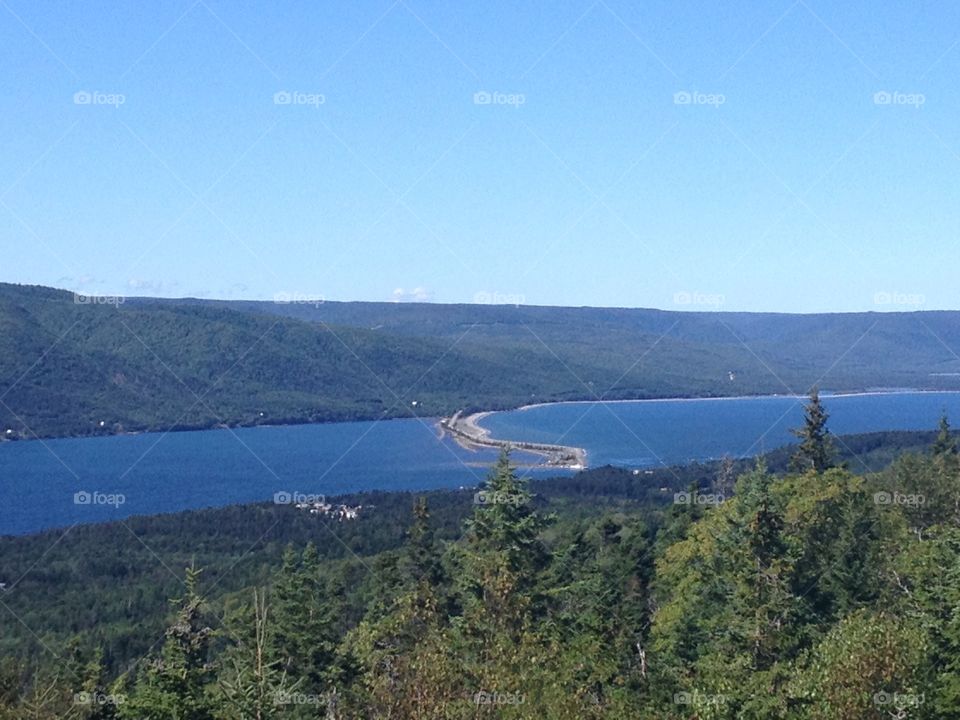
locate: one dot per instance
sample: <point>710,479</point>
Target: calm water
<point>164,473</point>
<point>645,433</point>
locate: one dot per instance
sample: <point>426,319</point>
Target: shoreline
<point>479,415</point>
<point>469,435</point>
<point>467,432</point>
<point>852,393</point>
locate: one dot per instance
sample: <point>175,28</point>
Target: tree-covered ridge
<point>81,366</point>
<point>806,594</point>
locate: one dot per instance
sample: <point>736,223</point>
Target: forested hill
<point>79,368</point>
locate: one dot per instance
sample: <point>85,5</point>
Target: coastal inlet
<point>466,431</point>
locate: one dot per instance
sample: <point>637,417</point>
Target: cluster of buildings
<point>338,512</point>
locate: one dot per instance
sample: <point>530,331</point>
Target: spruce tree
<point>816,451</point>
<point>945,444</point>
<point>252,683</point>
<point>174,686</point>
<point>303,620</point>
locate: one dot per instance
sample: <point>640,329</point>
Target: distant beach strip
<point>466,431</point>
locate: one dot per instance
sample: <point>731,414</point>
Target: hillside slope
<point>79,369</point>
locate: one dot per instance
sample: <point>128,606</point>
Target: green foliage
<point>816,451</point>
<point>173,686</point>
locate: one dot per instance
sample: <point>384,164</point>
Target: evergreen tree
<point>174,684</point>
<point>401,648</point>
<point>945,443</point>
<point>252,683</point>
<point>816,451</point>
<point>303,634</point>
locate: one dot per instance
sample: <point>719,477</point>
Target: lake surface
<point>650,432</point>
<point>157,473</point>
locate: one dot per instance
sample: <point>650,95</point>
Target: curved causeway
<point>466,431</point>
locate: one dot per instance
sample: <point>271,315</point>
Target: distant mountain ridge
<point>160,364</point>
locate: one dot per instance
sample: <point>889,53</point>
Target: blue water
<point>158,473</point>
<point>164,473</point>
<point>648,433</point>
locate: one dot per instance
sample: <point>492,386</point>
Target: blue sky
<point>682,155</point>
